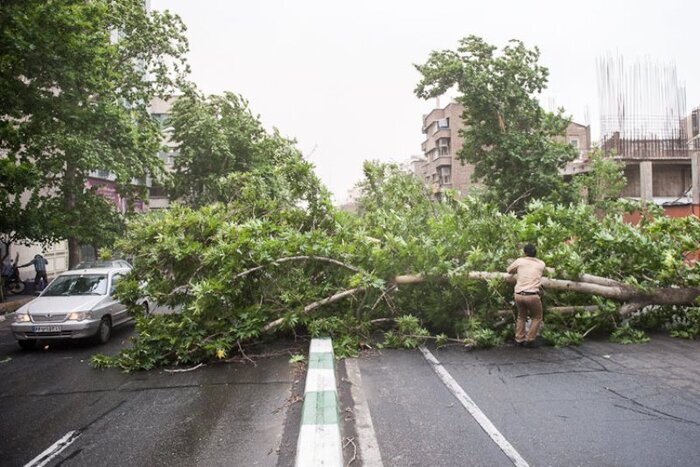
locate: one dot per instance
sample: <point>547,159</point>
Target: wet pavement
<point>223,414</point>
<point>599,404</point>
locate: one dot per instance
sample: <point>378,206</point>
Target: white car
<point>76,304</point>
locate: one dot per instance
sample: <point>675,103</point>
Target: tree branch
<point>296,258</point>
<point>312,306</point>
<point>524,195</point>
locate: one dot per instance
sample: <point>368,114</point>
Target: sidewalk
<point>12,302</point>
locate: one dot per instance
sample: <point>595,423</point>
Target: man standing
<point>39,263</point>
<point>7,271</point>
<point>527,294</point>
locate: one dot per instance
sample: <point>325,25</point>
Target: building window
<point>158,191</point>
<point>573,142</point>
<point>445,175</point>
<point>443,123</point>
<point>443,151</point>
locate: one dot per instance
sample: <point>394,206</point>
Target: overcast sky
<point>339,76</point>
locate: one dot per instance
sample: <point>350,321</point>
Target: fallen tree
<point>263,265</point>
<point>633,298</point>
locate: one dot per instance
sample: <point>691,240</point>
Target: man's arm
<point>513,268</point>
<point>25,265</point>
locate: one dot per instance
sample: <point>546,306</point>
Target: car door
<point>119,312</point>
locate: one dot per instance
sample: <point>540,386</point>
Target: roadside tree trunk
<point>69,187</point>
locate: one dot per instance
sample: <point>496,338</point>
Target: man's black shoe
<point>532,344</point>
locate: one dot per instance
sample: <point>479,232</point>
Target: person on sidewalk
<point>7,271</point>
<point>39,263</point>
<point>529,271</point>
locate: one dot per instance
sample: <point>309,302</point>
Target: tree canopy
<point>76,79</point>
<point>265,263</point>
<point>511,141</point>
<point>218,140</point>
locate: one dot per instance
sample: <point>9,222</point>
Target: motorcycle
<point>15,285</point>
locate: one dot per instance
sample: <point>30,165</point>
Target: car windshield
<point>73,284</point>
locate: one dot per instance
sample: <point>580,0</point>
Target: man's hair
<point>530,250</point>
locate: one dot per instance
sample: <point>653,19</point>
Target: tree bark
<point>632,297</point>
<point>312,306</point>
<point>69,182</point>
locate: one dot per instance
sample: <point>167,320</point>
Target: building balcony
<point>431,142</point>
<point>442,161</point>
<point>430,118</point>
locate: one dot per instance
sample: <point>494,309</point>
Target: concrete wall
<point>580,136</point>
<point>56,255</point>
<point>668,180</point>
<point>671,180</point>
<point>632,189</point>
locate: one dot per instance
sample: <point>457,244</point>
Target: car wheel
<point>104,332</point>
<point>16,287</point>
<point>27,344</point>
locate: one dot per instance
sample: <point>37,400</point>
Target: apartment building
<point>440,168</point>
<point>160,110</point>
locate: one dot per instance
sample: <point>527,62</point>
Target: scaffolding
<point>642,107</point>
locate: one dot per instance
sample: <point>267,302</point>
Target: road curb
<point>319,442</point>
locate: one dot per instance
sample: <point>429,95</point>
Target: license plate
<point>46,328</point>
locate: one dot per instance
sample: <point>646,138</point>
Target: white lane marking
<point>321,345</point>
<point>320,379</point>
<point>474,410</point>
<point>54,450</point>
<point>319,445</point>
<point>366,437</point>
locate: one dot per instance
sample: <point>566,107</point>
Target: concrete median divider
<point>319,441</point>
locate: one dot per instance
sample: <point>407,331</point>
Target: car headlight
<point>79,315</point>
<point>22,318</point>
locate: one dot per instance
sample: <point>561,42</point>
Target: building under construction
<point>644,123</point>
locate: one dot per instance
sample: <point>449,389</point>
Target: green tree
<point>76,79</point>
<point>218,136</point>
<point>604,180</point>
<point>509,138</point>
<point>269,261</point>
<point>20,218</point>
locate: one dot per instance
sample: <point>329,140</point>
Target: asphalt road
<point>600,404</point>
<point>226,414</point>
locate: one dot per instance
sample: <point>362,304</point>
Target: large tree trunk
<point>632,298</point>
<point>69,182</point>
<point>73,252</point>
